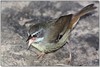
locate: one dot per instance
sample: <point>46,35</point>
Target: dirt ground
<point>84,40</point>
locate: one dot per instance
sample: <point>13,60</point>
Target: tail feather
<point>82,12</point>
<point>86,10</point>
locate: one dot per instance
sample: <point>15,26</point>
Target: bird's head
<point>35,36</point>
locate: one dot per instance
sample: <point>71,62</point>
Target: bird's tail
<point>86,10</point>
<point>82,12</point>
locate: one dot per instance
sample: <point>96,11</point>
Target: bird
<point>52,35</point>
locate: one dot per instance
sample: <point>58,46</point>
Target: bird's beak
<point>30,40</point>
<point>29,37</point>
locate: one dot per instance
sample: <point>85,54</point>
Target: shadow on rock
<point>92,40</point>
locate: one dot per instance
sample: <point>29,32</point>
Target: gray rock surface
<point>84,40</point>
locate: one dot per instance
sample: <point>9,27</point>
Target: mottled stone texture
<point>84,40</point>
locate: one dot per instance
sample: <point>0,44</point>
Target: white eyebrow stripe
<point>36,32</point>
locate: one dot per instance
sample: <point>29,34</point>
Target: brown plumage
<point>79,14</point>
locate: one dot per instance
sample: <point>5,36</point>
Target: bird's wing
<point>57,27</point>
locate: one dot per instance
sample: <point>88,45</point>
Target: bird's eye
<point>34,35</point>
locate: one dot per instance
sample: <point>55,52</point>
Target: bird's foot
<point>68,60</point>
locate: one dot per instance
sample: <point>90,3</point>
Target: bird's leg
<point>70,55</point>
<point>68,60</point>
<point>40,55</point>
